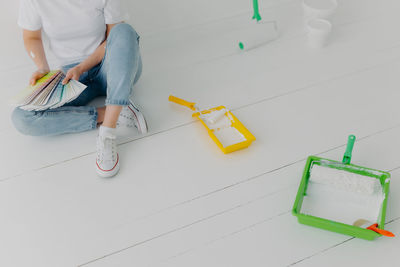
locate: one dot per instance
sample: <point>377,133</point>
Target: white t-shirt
<point>74,28</point>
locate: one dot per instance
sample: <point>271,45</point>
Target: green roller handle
<point>256,15</point>
<point>349,149</point>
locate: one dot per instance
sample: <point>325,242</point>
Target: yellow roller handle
<point>182,102</point>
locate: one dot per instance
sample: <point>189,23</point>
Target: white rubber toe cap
<point>106,173</point>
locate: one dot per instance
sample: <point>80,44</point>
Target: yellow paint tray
<point>227,131</point>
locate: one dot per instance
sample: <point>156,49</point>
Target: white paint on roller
<point>229,136</point>
<point>255,34</point>
<point>344,180</point>
<point>216,115</point>
<point>224,122</point>
<point>325,162</point>
<point>219,121</point>
<point>222,127</point>
<point>342,196</point>
<point>32,54</point>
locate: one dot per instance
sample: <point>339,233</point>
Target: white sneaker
<point>107,160</point>
<point>132,117</point>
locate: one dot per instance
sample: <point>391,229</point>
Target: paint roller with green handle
<point>343,180</point>
<point>258,34</point>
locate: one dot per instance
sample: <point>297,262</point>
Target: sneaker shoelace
<point>106,149</point>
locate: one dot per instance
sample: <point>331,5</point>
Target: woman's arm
<point>34,46</point>
<point>91,61</point>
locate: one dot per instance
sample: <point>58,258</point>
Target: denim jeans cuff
<point>95,115</point>
<point>117,102</point>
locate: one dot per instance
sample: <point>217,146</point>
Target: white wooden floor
<point>178,201</point>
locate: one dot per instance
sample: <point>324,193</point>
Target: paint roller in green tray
<point>342,176</point>
<point>258,33</point>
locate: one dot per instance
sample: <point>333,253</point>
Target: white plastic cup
<point>319,31</point>
<point>321,9</point>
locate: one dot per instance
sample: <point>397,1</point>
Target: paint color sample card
<point>48,93</point>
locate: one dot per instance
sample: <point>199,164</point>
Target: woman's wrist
<point>81,68</point>
<point>44,71</point>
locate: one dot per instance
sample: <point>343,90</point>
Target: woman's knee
<point>24,121</point>
<point>125,32</point>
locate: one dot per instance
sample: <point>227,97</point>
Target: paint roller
<point>259,33</point>
<point>345,180</point>
<point>215,116</point>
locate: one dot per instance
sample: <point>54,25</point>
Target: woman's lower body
<point>113,78</point>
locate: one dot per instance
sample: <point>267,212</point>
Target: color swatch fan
<point>48,93</point>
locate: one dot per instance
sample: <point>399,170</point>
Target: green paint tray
<point>330,225</point>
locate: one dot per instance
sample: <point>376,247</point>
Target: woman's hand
<point>37,75</point>
<point>73,73</point>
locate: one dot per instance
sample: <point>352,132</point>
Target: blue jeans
<point>114,78</point>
